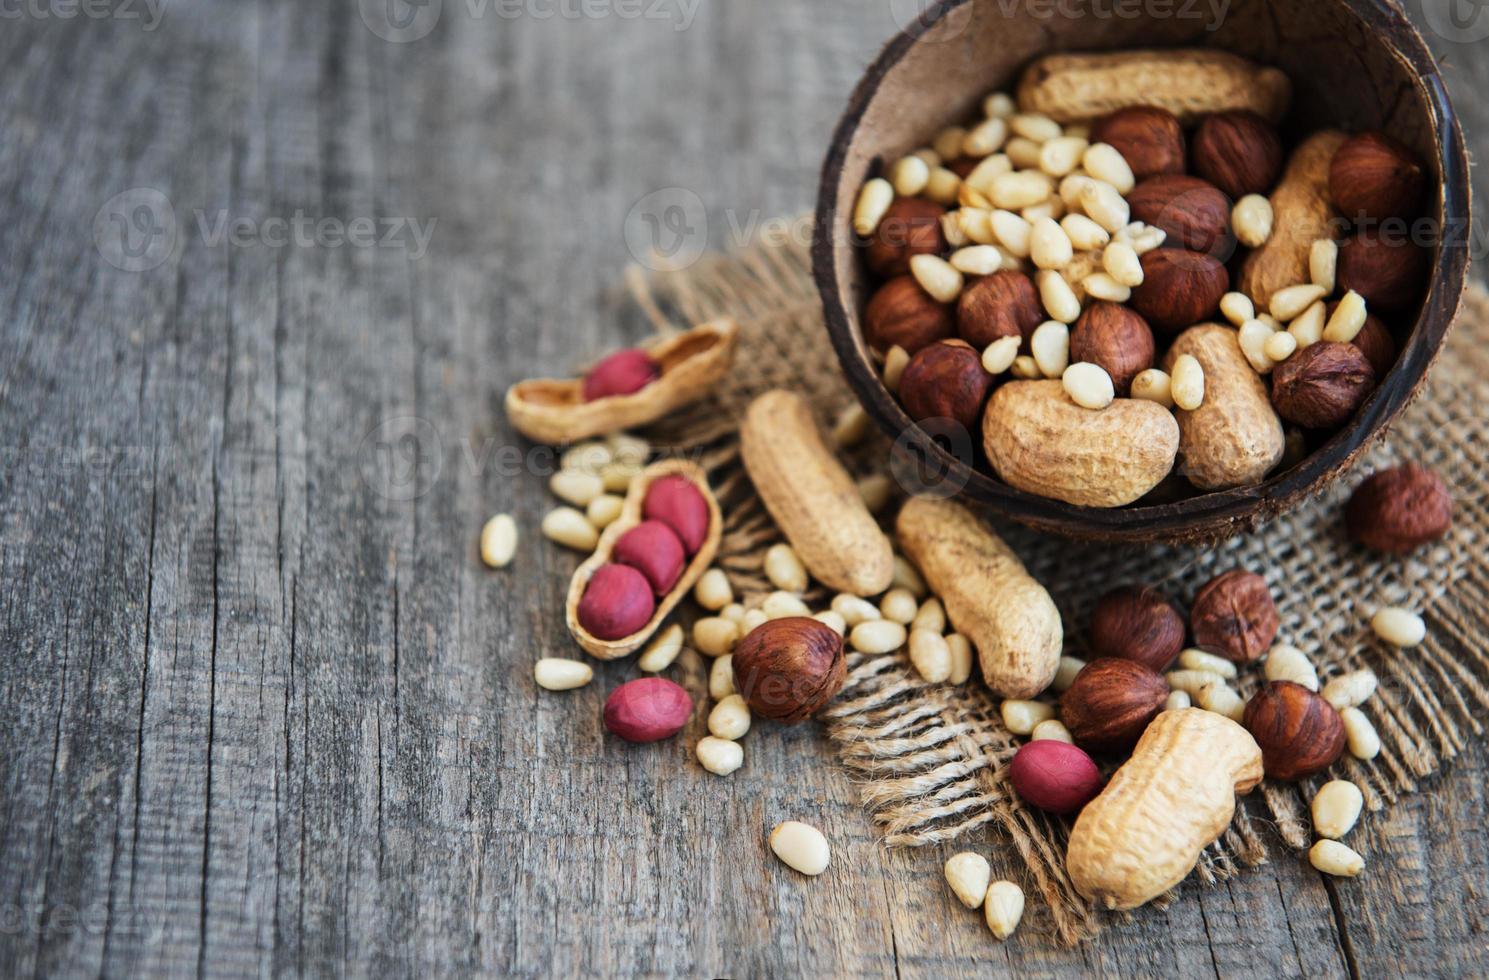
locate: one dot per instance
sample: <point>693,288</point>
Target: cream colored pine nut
<point>800,847</point>
<point>1003,907</point>
<point>873,201</point>
<point>1336,807</point>
<point>1280,346</point>
<point>1187,383</point>
<point>1104,205</point>
<point>1399,627</point>
<point>1191,682</point>
<point>1143,238</point>
<point>499,541</point>
<point>895,363</point>
<point>937,277</point>
<point>909,175</point>
<point>556,674</point>
<point>1252,337</point>
<point>1000,354</point>
<point>1308,328</point>
<point>967,225</point>
<point>753,620</point>
<point>968,875</point>
<point>1022,152</point>
<point>714,636</point>
<point>719,756</point>
<point>1054,209</point>
<point>662,650</point>
<point>1290,303</point>
<point>730,718</point>
<point>1288,663</point>
<point>586,456</point>
<point>734,612</point>
<point>1359,734</point>
<point>907,577</point>
<point>930,156</point>
<point>1088,385</point>
<point>1251,220</point>
<point>780,605</point>
<point>876,490</point>
<point>970,197</point>
<point>1101,286</point>
<point>629,448</point>
<point>852,427</point>
<point>832,619</point>
<point>1021,189</point>
<point>1058,298</point>
<point>999,105</point>
<point>1035,126</point>
<point>1153,385</point>
<point>1020,717</point>
<point>1051,730</point>
<point>948,142</point>
<point>1237,308</point>
<point>1085,234</point>
<point>951,227</point>
<point>1050,344</point>
<point>1334,858</point>
<point>1121,262</point>
<point>713,590</point>
<point>1049,246</point>
<point>619,474</point>
<point>943,186</point>
<point>1065,673</point>
<point>877,636</point>
<point>977,260</point>
<point>576,486</point>
<point>930,616</point>
<point>930,655</point>
<point>854,610</point>
<point>961,658</point>
<point>985,138</point>
<point>1070,191</point>
<point>1350,690</point>
<point>1104,162</point>
<point>784,568</point>
<point>1221,698</point>
<point>1177,701</point>
<point>1196,659</point>
<point>1323,264</point>
<point>899,606</point>
<point>1083,130</point>
<point>1061,155</point>
<point>1348,319</point>
<point>568,527</point>
<point>721,677</point>
<point>604,509</point>
<point>1272,321</point>
<point>1025,368</point>
<point>1012,232</point>
<point>981,177</point>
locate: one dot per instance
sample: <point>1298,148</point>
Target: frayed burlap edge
<point>933,757</point>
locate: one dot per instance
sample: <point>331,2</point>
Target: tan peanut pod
<point>630,516</point>
<point>1189,82</point>
<point>1041,441</point>
<point>1165,805</point>
<point>814,501</point>
<point>1303,214</point>
<point>989,597</point>
<point>1234,437</point>
<point>553,410</point>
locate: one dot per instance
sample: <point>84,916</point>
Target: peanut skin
<point>989,597</point>
<point>1234,438</point>
<point>1143,834</point>
<point>1302,215</point>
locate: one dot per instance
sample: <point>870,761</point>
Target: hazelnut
<point>1298,732</point>
<point>1375,342</point>
<point>946,380</point>
<point>1389,271</point>
<point>1149,139</point>
<point>1239,152</point>
<point>1195,214</point>
<point>911,226</point>
<point>902,314</point>
<point>1321,385</point>
<point>1004,304</point>
<point>787,669</point>
<point>1054,776</point>
<point>1234,616</point>
<point>1179,289</point>
<point>1137,624</point>
<point>1374,177</point>
<point>617,601</point>
<point>1116,339</point>
<point>1400,508</point>
<point>622,373</point>
<point>1110,704</point>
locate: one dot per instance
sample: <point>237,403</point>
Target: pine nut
<point>556,674</point>
<point>1359,734</point>
<point>1022,152</point>
<point>948,142</point>
<point>1101,286</point>
<point>943,186</point>
<point>1025,368</point>
<point>721,677</point>
<point>985,138</point>
<point>1221,698</point>
<point>873,201</point>
<point>1251,219</point>
<point>1237,308</point>
<point>977,260</point>
<point>877,636</point>
<point>930,655</point>
<point>1143,238</point>
<point>937,277</point>
<point>1252,337</point>
<point>1350,690</point>
<point>714,636</point>
<point>1288,663</point>
<point>909,175</point>
<point>604,509</point>
<point>618,475</point>
<point>981,177</point>
<point>1061,155</point>
<point>1187,383</point>
<point>1153,385</point>
<point>1058,298</point>
<point>1336,807</point>
<point>1021,189</point>
<point>930,616</point>
<point>625,447</point>
<point>734,612</point>
<point>1191,682</point>
<point>999,105</point>
<point>1323,264</point>
<point>1399,627</point>
<point>1348,319</point>
<point>753,620</point>
<point>951,226</point>
<point>895,363</point>
<point>1104,205</point>
<point>1000,354</point>
<point>961,658</point>
<point>930,156</point>
<point>1308,328</point>
<point>1280,346</point>
<point>800,847</point>
<point>780,605</point>
<point>499,541</point>
<point>1104,162</point>
<point>1288,304</point>
<point>1020,717</point>
<point>876,490</point>
<point>576,486</point>
<point>784,568</point>
<point>899,605</point>
<point>1084,234</point>
<point>1051,730</point>
<point>1054,209</point>
<point>1049,246</point>
<point>854,610</point>
<point>968,875</point>
<point>586,456</point>
<point>852,427</point>
<point>1177,701</point>
<point>968,225</point>
<point>662,650</point>
<point>719,756</point>
<point>730,718</point>
<point>1334,858</point>
<point>713,590</point>
<point>1035,126</point>
<point>1003,907</point>
<point>907,577</point>
<point>1065,673</point>
<point>832,619</point>
<point>1088,385</point>
<point>1196,659</point>
<point>1012,232</point>
<point>568,527</point>
<point>1050,344</point>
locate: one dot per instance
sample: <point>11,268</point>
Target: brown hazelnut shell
<point>1374,177</point>
<point>1322,385</point>
<point>1234,616</point>
<point>1117,339</point>
<point>788,669</point>
<point>1179,289</point>
<point>1110,704</point>
<point>946,380</point>
<point>1390,271</point>
<point>1150,139</point>
<point>1137,624</point>
<point>1004,304</point>
<point>1399,509</point>
<point>1237,151</point>
<point>1299,733</point>
<point>911,226</point>
<point>1194,213</point>
<point>902,314</point>
<point>1375,342</point>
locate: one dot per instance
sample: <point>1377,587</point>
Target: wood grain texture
<point>264,711</point>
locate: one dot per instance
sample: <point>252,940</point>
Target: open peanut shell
<point>553,410</point>
<point>630,516</point>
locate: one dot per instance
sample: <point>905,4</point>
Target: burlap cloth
<point>932,758</point>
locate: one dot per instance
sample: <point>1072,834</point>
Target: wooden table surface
<point>264,710</point>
